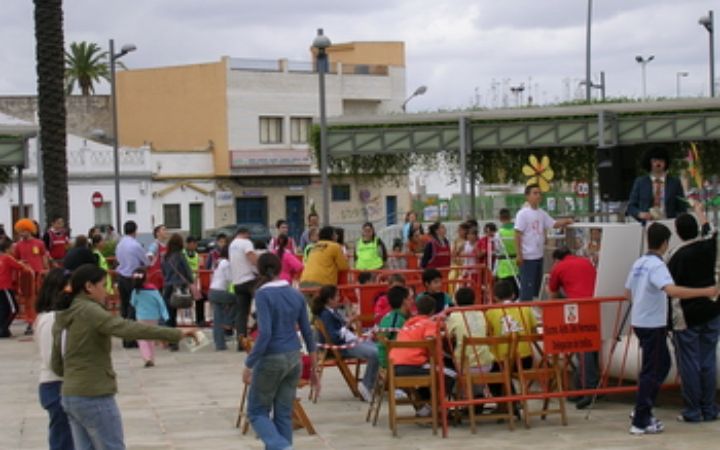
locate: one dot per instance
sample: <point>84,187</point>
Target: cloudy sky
<point>458,48</point>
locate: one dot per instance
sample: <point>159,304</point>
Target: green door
<point>196,222</point>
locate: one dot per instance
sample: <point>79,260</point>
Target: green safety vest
<point>506,266</point>
<point>193,261</point>
<point>368,255</point>
<point>103,264</point>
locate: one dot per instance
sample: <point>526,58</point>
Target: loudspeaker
<point>616,173</point>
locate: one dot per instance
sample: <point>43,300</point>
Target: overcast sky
<point>455,47</point>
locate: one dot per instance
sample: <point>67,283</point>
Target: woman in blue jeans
<point>51,298</point>
<point>273,366</point>
<point>81,354</point>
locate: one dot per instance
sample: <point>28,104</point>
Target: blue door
<point>251,210</point>
<point>295,215</point>
<point>391,209</point>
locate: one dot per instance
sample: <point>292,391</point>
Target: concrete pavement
<point>189,401</point>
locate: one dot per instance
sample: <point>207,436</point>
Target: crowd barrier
<point>567,328</point>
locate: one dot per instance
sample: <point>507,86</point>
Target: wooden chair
<point>300,418</point>
<point>377,396</point>
<point>412,382</point>
<point>470,377</point>
<point>546,372</point>
<point>333,357</point>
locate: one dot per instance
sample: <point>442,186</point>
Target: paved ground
<point>189,401</point>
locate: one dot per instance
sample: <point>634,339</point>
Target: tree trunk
<point>51,105</point>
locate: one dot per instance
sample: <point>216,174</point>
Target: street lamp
<point>419,91</point>
<point>127,48</point>
<point>644,62</point>
<point>321,44</point>
<point>678,76</point>
<point>709,23</point>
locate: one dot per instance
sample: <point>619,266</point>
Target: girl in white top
<point>51,298</point>
<point>224,303</point>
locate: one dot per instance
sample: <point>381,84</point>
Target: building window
<point>171,216</point>
<point>341,192</point>
<point>131,207</point>
<point>271,130</point>
<point>104,214</point>
<point>300,129</point>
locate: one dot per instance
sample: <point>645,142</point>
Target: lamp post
<point>321,43</point>
<point>644,62</point>
<point>709,23</point>
<point>419,91</point>
<point>588,81</point>
<point>127,48</point>
<point>678,76</point>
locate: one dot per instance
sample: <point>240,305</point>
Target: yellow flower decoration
<point>539,172</point>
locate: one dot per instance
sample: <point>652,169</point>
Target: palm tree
<point>51,105</point>
<point>85,64</point>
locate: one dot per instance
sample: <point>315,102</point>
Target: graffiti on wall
<point>370,208</point>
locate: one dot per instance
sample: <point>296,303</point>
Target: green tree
<point>51,104</point>
<point>85,64</point>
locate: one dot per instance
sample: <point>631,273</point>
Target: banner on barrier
<point>571,327</point>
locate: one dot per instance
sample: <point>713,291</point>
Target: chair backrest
<point>469,342</point>
<point>428,345</point>
<point>320,327</point>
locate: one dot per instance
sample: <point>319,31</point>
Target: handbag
<point>181,298</point>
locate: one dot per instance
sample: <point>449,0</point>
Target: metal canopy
<point>14,134</point>
<point>573,126</point>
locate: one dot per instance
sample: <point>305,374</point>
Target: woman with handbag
<point>178,279</point>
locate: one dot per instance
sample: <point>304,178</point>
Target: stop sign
<point>97,199</point>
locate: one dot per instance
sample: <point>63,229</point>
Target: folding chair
<point>412,382</point>
<point>546,372</point>
<point>503,377</point>
<point>300,418</point>
<point>333,357</point>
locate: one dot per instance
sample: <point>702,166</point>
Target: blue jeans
<point>695,351</point>
<point>368,351</point>
<point>531,272</point>
<point>59,434</point>
<point>655,367</point>
<point>274,382</point>
<point>95,422</point>
<point>224,305</point>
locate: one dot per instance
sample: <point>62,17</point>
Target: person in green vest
<point>193,259</point>
<point>370,252</point>
<point>507,268</point>
<point>98,243</point>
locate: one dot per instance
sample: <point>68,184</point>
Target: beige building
<point>254,117</point>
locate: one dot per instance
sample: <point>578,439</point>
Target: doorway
<point>251,210</point>
<point>295,215</point>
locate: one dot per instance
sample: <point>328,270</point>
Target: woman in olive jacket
<point>81,354</point>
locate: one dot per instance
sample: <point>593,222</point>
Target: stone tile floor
<point>189,402</point>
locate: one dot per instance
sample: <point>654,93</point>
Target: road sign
<point>97,199</point>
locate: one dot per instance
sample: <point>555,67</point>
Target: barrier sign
<point>572,327</point>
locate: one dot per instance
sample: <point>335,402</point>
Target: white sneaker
<point>400,394</point>
<point>425,411</point>
<point>364,393</point>
<point>653,428</point>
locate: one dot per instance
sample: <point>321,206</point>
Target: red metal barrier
<point>604,386</point>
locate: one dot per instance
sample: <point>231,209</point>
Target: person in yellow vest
<point>193,259</point>
<point>506,268</point>
<point>98,242</point>
<point>324,261</point>
<point>370,251</point>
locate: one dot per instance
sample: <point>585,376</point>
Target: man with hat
<point>30,249</point>
<point>656,195</point>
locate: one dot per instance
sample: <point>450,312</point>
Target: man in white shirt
<point>243,258</point>
<point>531,225</point>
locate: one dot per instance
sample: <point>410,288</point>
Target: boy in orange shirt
<point>410,361</point>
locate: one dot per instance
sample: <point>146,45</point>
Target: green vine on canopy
<point>505,165</point>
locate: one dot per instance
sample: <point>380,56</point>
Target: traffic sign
<point>97,199</point>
